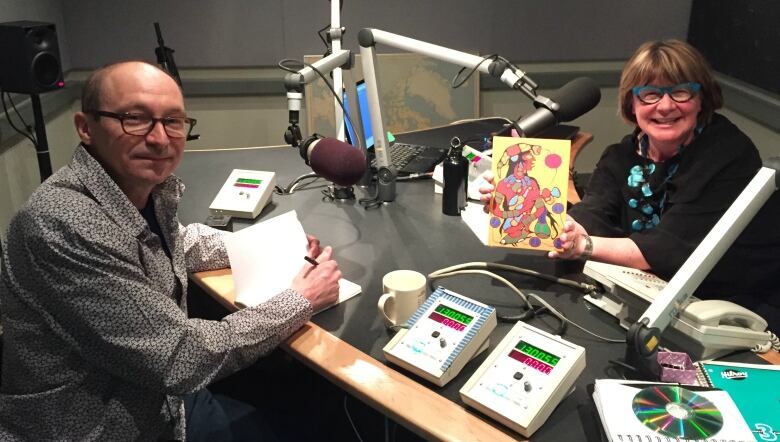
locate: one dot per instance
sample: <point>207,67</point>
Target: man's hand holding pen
<point>318,282</point>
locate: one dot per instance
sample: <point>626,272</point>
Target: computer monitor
<point>365,116</point>
<point>351,136</point>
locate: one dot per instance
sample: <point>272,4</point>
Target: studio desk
<point>344,344</point>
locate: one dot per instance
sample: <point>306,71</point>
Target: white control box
<point>244,194</point>
<point>445,332</point>
<point>524,378</point>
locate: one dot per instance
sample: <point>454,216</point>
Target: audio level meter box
<point>244,194</point>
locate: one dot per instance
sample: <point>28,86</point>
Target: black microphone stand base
<point>340,193</point>
<point>642,351</point>
<point>386,179</point>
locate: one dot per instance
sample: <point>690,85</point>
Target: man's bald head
<point>135,91</point>
<point>92,94</point>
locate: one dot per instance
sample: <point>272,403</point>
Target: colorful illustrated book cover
<point>531,178</point>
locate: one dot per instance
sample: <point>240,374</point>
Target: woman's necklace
<point>649,193</point>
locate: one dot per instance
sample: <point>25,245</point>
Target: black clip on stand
<point>165,60</point>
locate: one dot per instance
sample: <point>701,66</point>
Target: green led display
<point>537,353</point>
<point>248,181</point>
<point>454,314</point>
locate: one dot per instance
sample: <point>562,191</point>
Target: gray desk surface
<point>412,233</point>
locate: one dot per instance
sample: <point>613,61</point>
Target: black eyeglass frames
<point>139,124</point>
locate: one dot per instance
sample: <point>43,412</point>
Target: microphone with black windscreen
<point>572,100</point>
<point>334,160</point>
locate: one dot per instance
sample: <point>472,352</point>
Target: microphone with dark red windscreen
<point>334,160</point>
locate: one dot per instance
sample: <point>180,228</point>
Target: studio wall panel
<point>231,33</point>
<point>202,32</point>
<point>741,39</point>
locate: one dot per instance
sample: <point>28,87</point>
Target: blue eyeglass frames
<point>679,92</point>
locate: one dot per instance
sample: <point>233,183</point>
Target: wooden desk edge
<point>430,415</point>
<point>771,356</point>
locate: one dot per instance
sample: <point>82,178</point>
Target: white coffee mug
<point>404,291</point>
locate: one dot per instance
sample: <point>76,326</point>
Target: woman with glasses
<point>656,194</point>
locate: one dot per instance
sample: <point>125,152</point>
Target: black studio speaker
<point>29,58</point>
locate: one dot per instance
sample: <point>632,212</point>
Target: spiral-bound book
<point>755,389</point>
<point>637,411</point>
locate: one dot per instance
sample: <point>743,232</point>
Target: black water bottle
<point>456,170</point>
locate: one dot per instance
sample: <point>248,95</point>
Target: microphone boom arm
<point>368,38</point>
<point>643,336</point>
<point>294,83</point>
<point>332,63</point>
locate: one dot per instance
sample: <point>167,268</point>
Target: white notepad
<point>266,257</point>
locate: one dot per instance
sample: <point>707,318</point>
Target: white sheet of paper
<point>475,217</point>
<point>266,257</point>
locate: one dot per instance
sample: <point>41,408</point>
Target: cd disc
<point>678,412</point>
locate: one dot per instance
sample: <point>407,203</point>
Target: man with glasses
<point>97,340</point>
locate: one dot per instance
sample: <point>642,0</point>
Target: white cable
<point>585,287</point>
<point>773,343</point>
<point>463,269</point>
<point>350,420</point>
<point>294,186</point>
<point>439,274</point>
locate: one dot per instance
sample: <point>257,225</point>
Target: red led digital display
<point>447,321</point>
<point>531,362</point>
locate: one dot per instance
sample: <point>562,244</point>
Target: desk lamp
<point>643,336</point>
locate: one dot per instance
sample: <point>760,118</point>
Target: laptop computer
<point>420,151</point>
<point>408,158</point>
